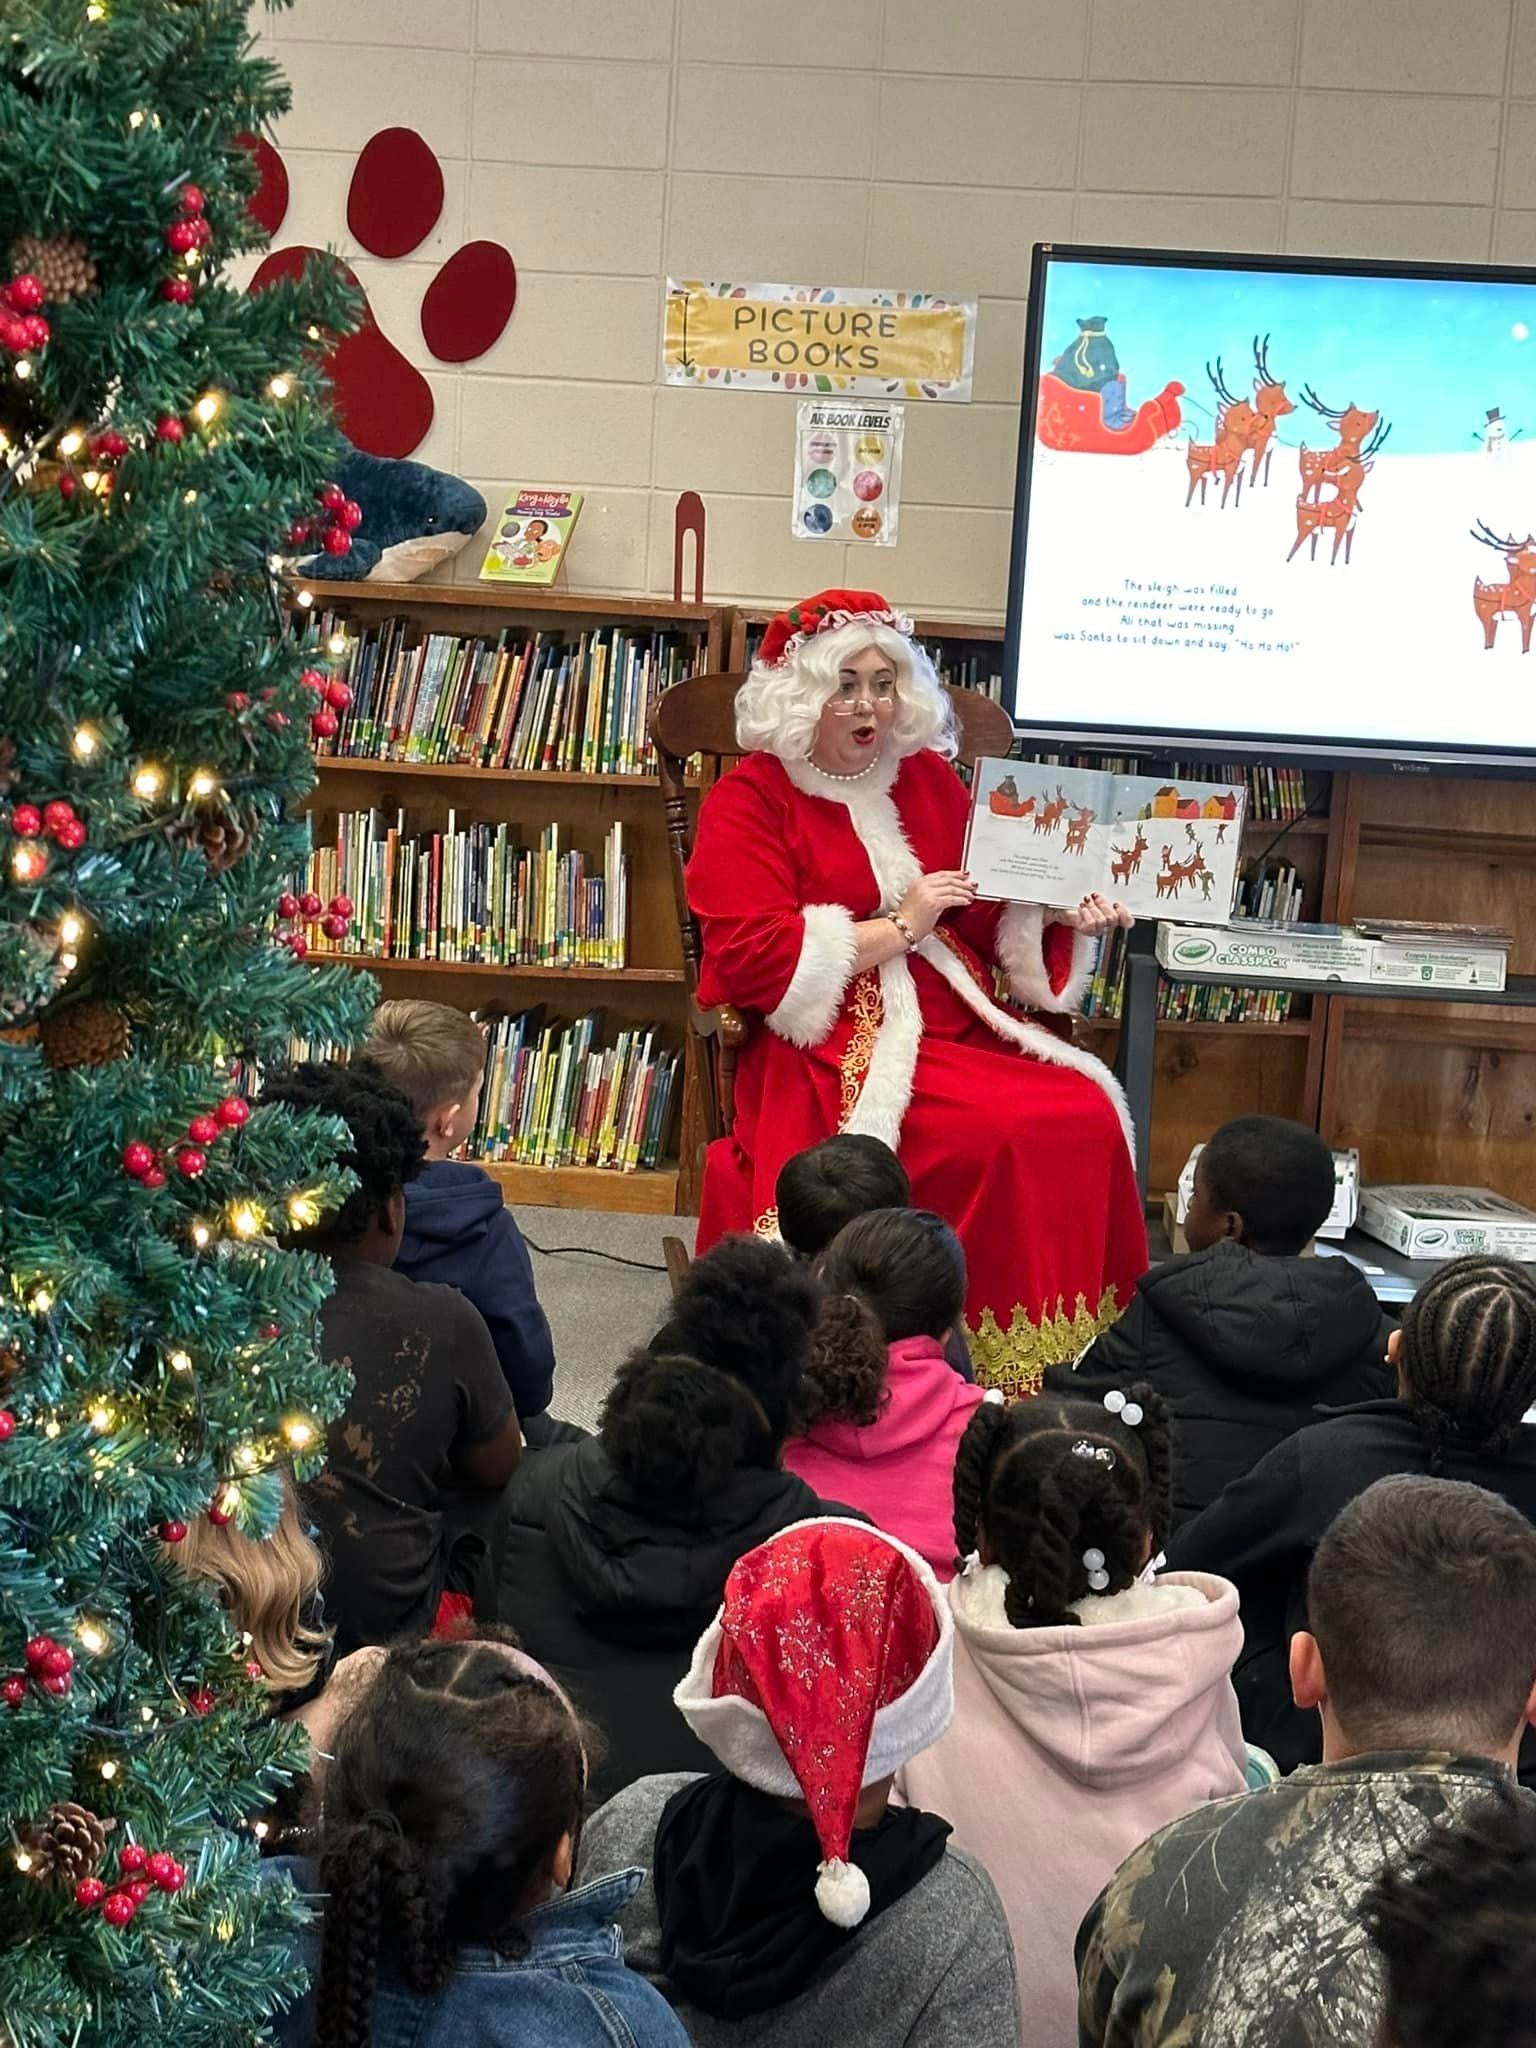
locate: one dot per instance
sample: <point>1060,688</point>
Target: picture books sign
<point>818,338</point>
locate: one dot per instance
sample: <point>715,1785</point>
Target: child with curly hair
<point>888,1408</point>
<point>615,1552</point>
<point>443,1864</point>
<point>1093,1699</point>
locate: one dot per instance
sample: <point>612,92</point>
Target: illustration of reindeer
<point>1224,456</point>
<point>1353,425</point>
<point>1313,515</point>
<point>1514,599</point>
<point>1177,872</point>
<point>1128,858</point>
<point>1050,815</point>
<point>1270,404</point>
<point>1077,829</point>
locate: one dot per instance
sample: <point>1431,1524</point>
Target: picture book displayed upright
<point>1055,835</point>
<point>531,536</point>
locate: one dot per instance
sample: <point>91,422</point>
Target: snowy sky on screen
<point>1432,355</point>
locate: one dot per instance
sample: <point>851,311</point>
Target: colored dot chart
<point>847,472</point>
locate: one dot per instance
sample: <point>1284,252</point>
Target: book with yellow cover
<point>531,536</point>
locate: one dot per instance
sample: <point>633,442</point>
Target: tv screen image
<point>1277,506</point>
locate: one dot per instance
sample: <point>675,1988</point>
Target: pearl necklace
<point>856,775</point>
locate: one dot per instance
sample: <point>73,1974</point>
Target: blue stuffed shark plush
<point>414,518</point>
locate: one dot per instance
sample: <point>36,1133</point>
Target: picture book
<point>531,536</point>
<point>1055,835</point>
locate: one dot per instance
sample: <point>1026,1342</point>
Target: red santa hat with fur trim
<point>829,1665</point>
<point>786,633</point>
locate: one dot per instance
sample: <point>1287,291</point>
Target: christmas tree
<point>161,433</point>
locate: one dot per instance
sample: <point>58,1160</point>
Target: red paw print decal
<point>394,201</point>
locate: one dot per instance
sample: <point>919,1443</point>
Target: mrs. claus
<point>826,881</point>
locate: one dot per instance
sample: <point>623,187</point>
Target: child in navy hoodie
<point>457,1230</point>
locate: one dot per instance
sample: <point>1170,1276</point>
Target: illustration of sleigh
<point>1074,420</point>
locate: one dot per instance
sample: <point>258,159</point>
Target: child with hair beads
<point>1093,1700</point>
<point>1465,1358</point>
<point>889,1409</point>
<point>443,1861</point>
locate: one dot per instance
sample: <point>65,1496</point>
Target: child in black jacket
<point>1242,1336</point>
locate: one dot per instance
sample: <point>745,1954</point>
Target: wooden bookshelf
<point>650,988</point>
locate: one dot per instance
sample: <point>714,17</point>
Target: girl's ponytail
<point>846,1374</point>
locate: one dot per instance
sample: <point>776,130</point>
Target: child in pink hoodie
<point>1093,1699</point>
<point>889,1408</point>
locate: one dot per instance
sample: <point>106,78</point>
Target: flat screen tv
<point>1277,507</point>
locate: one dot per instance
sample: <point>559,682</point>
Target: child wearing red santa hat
<point>787,1899</point>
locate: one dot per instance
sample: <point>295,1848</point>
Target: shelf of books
<point>489,804</point>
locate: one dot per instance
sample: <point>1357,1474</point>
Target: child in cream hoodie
<point>1093,1700</point>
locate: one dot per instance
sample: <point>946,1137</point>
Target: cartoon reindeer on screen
<point>1223,457</point>
<point>1270,404</point>
<point>1344,469</point>
<point>1515,599</point>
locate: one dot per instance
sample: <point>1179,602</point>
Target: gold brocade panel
<point>1014,1359</point>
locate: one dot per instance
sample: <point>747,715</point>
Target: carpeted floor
<point>597,1308</point>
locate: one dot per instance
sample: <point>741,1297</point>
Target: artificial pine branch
<point>157,1349</point>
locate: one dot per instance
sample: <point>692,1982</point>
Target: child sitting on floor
<point>1242,1336</point>
<point>786,1900</point>
<point>458,1231</point>
<point>1093,1701</point>
<point>443,1860</point>
<point>826,1186</point>
<point>889,1412</point>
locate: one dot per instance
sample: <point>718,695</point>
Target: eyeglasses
<point>851,698</point>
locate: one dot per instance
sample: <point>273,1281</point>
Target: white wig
<point>777,708</point>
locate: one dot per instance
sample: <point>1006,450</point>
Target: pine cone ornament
<point>61,264</point>
<point>84,1034</point>
<point>68,1843</point>
<point>223,835</point>
<point>8,769</point>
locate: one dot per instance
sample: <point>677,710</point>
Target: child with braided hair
<point>1465,1361</point>
<point>1093,1698</point>
<point>443,1860</point>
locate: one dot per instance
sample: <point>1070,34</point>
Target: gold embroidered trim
<point>868,1016</point>
<point>767,1225</point>
<point>1015,1359</point>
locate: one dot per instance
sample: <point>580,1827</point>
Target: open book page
<point>1054,835</point>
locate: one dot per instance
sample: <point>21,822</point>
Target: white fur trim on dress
<point>1021,955</point>
<point>808,1008</point>
<point>888,1084</point>
<point>738,1733</point>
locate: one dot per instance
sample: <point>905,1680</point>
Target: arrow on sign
<point>685,361</point>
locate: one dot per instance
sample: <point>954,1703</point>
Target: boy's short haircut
<point>1277,1175</point>
<point>1422,1598</point>
<point>431,1052</point>
<point>826,1186</point>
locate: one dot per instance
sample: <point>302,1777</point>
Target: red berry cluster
<point>56,821</point>
<point>22,326</point>
<point>142,1871</point>
<point>333,525</point>
<point>50,1666</point>
<point>145,1163</point>
<point>7,1425</point>
<point>335,922</point>
<point>334,696</point>
<point>189,231</point>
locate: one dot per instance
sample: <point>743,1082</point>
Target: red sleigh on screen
<point>1074,420</point>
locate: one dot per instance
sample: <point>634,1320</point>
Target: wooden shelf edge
<point>660,977</point>
<point>1292,1027</point>
<point>468,771</point>
<point>1441,839</point>
<point>509,598</point>
<point>646,1192</point>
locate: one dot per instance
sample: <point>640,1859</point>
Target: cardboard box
<point>1429,1222</point>
<point>1340,1219</point>
<point>1287,955</point>
<point>1427,963</point>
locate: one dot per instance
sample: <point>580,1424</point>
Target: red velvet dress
<point>1016,1136</point>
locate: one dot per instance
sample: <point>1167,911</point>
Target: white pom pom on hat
<point>842,1892</point>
